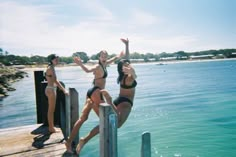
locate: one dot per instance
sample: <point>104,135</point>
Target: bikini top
<point>45,74</point>
<point>133,85</point>
<point>104,75</point>
<point>104,70</point>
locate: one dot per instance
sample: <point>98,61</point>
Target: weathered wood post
<point>72,112</point>
<point>108,131</point>
<point>38,78</point>
<point>146,145</point>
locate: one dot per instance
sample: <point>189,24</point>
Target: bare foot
<point>80,145</point>
<point>53,130</point>
<point>68,147</point>
<point>126,41</point>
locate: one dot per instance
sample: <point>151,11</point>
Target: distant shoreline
<point>42,67</point>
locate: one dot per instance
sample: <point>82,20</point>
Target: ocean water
<point>189,108</point>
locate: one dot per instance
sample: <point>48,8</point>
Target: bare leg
<point>85,112</point>
<point>51,108</point>
<point>84,140</point>
<point>124,110</point>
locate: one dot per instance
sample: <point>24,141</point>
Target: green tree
<point>66,60</point>
<point>6,53</point>
<point>1,51</point>
<point>39,59</point>
<point>94,57</point>
<point>82,55</point>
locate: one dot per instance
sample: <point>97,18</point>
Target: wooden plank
<point>33,140</point>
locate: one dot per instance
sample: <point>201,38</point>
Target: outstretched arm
<point>78,61</point>
<point>115,58</point>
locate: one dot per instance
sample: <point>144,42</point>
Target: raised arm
<point>78,61</point>
<point>126,42</point>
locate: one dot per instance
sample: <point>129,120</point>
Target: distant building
<point>151,59</point>
<point>137,60</point>
<point>168,58</point>
<point>201,57</point>
<point>92,61</point>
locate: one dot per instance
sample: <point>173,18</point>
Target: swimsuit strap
<point>104,75</point>
<point>104,70</point>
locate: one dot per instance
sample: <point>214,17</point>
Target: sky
<point>42,27</point>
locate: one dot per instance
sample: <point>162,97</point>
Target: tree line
<point>7,58</point>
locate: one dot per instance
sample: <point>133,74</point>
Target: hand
<point>128,69</point>
<point>78,60</point>
<point>66,92</point>
<point>125,41</point>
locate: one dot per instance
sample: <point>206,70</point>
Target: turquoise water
<point>189,108</point>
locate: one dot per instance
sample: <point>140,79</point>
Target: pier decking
<point>29,141</point>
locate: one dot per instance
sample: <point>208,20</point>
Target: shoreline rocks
<point>7,77</point>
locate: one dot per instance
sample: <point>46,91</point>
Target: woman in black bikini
<point>123,104</point>
<point>51,89</point>
<point>94,97</point>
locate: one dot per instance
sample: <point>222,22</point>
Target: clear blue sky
<point>41,27</point>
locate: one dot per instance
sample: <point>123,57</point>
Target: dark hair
<point>51,57</point>
<point>120,69</point>
<point>99,54</point>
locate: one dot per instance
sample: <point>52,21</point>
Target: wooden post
<point>108,131</point>
<point>67,117</point>
<point>113,134</point>
<point>38,78</point>
<point>74,110</point>
<point>71,112</point>
<point>44,103</point>
<point>146,145</point>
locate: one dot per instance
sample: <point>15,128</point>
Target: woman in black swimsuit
<point>123,104</point>
<point>94,97</point>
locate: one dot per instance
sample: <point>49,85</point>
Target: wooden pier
<point>36,141</point>
<point>32,140</point>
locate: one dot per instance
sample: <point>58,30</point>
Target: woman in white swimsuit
<point>51,89</point>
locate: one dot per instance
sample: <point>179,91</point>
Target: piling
<point>108,131</point>
<point>146,145</point>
